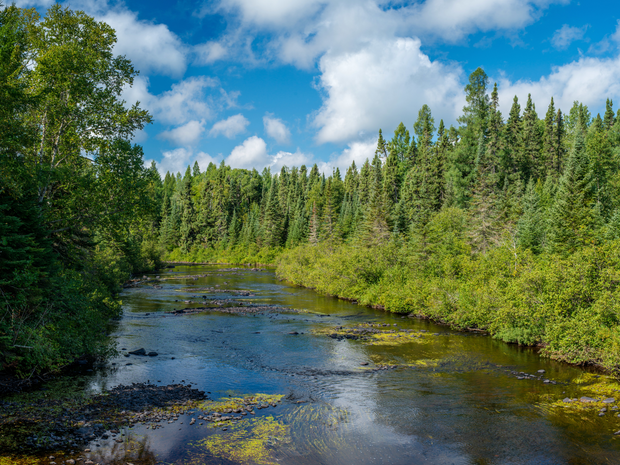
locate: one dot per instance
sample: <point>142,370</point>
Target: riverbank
<point>567,307</point>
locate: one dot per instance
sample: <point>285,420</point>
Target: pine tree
<point>483,213</point>
<point>382,147</point>
<point>530,144</point>
<point>391,183</point>
<point>399,145</point>
<point>531,225</point>
<point>571,216</point>
<point>313,237</point>
<point>273,219</point>
<point>610,118</point>
<point>351,180</point>
<point>512,141</point>
<point>186,204</point>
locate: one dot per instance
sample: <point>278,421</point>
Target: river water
<point>454,398</point>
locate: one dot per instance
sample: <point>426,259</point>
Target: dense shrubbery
<point>77,206</point>
<point>569,306</point>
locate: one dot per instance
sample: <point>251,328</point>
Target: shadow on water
<point>405,391</point>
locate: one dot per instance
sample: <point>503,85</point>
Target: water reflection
<point>453,399</point>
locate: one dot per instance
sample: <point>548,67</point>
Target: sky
<point>272,83</point>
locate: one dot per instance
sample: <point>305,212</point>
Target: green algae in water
<point>249,443</point>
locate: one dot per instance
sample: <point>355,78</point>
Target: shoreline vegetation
<point>509,225</point>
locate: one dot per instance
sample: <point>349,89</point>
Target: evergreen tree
<point>571,215</point>
<point>531,225</point>
<point>529,161</point>
<point>186,204</point>
<point>273,219</point>
<point>610,118</point>
<point>382,146</point>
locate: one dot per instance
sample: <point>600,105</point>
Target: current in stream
<point>419,394</point>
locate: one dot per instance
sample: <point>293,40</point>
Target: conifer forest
<point>502,223</point>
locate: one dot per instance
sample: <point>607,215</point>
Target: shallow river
<point>453,398</point>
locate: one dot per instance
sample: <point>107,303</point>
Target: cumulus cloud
<point>276,129</point>
<point>252,153</point>
<point>566,35</point>
<point>302,30</point>
<point>230,127</point>
<point>150,47</point>
<point>33,3</point>
<point>195,98</point>
<point>177,161</point>
<point>356,152</point>
<point>188,134</point>
<point>383,84</point>
<point>589,80</point>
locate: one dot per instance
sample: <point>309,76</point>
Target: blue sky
<point>287,82</point>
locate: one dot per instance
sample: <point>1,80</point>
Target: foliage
<point>77,206</point>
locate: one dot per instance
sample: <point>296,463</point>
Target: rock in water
<point>138,352</point>
<point>153,354</point>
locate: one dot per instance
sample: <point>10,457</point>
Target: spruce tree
<point>531,224</point>
<point>571,216</point>
<point>512,141</point>
<point>529,161</point>
<point>610,118</point>
<point>186,204</point>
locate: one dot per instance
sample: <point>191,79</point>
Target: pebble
<point>587,399</point>
<point>609,400</point>
<point>70,462</point>
<point>567,400</point>
<point>541,371</point>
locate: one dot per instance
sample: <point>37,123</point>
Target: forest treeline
<point>510,225</point>
<point>77,206</point>
<point>506,224</point>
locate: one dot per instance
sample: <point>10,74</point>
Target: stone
<point>152,354</point>
<point>70,462</point>
<point>567,400</point>
<point>585,399</point>
<point>609,400</point>
<point>541,371</point>
<point>364,363</point>
<point>138,352</point>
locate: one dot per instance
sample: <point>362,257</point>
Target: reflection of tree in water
<point>133,449</point>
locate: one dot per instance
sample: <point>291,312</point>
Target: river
<point>408,392</point>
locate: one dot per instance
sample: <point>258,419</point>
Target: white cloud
<point>150,47</point>
<point>276,129</point>
<point>188,134</point>
<point>589,80</point>
<point>271,12</point>
<point>195,98</point>
<point>210,52</point>
<point>230,127</point>
<point>253,154</point>
<point>177,161</point>
<point>380,86</point>
<point>356,152</point>
<point>566,35</point>
<point>31,3</point>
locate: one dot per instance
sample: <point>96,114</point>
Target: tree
<point>528,161</point>
<point>571,215</point>
<point>531,225</point>
<point>610,118</point>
